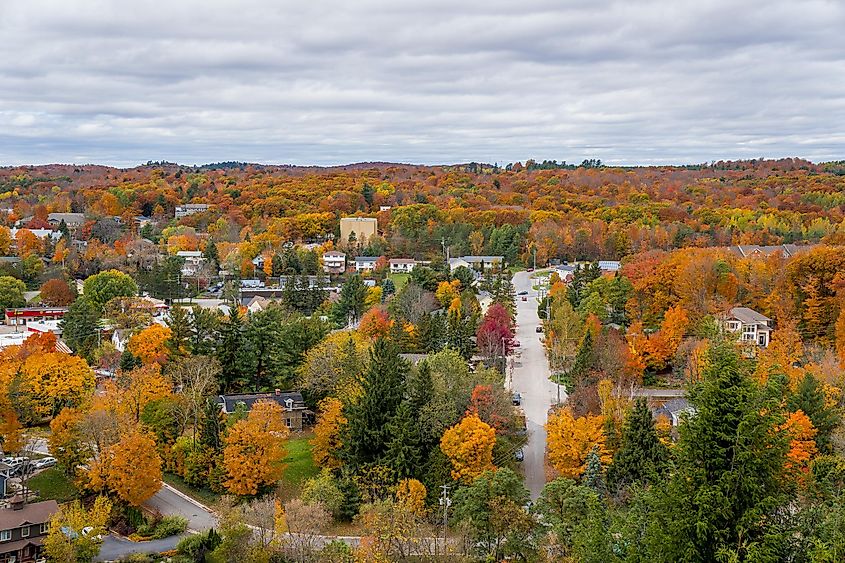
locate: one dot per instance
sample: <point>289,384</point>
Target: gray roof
<point>483,258</point>
<point>367,259</point>
<point>748,316</point>
<point>66,217</point>
<point>34,513</point>
<point>229,402</point>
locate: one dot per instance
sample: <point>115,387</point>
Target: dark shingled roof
<point>229,402</point>
<point>35,513</point>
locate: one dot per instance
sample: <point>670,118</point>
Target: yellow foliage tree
<point>77,546</point>
<point>326,439</point>
<point>255,448</point>
<point>52,380</point>
<point>469,447</point>
<point>782,355</point>
<point>131,391</point>
<point>570,440</point>
<point>150,344</point>
<point>411,494</point>
<point>11,430</point>
<point>840,337</point>
<point>131,468</point>
<point>448,292</point>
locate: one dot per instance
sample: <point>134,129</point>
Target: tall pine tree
<point>642,456</point>
<point>367,432</point>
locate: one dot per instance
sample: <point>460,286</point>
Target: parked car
<point>522,293</point>
<point>44,462</point>
<point>524,298</point>
<point>519,455</point>
<point>517,399</point>
<point>539,328</point>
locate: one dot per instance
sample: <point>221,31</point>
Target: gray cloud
<point>332,82</point>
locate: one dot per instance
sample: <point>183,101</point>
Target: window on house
<point>289,423</point>
<point>289,404</point>
<point>5,535</point>
<point>25,531</point>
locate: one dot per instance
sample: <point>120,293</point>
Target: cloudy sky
<point>328,81</point>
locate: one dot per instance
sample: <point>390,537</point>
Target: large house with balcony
<point>334,262</point>
<point>402,265</point>
<point>749,326</point>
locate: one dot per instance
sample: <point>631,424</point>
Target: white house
<point>365,263</point>
<point>72,220</point>
<point>334,262</point>
<point>40,233</point>
<point>609,265</point>
<point>480,263</point>
<point>193,261</point>
<point>402,265</point>
<point>749,326</point>
<point>190,209</point>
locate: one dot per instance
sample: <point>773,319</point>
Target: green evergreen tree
<point>642,457</point>
<point>230,352</point>
<point>594,473</point>
<point>211,255</point>
<point>80,327</point>
<point>810,398</point>
<point>729,483</point>
<point>403,453</point>
<point>367,433</point>
<point>584,358</point>
<point>211,426</point>
<point>350,305</point>
<point>128,361</point>
<point>179,323</point>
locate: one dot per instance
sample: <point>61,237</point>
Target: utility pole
<point>445,502</point>
<point>535,257</point>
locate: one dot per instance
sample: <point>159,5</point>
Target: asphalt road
<point>168,501</point>
<point>115,548</point>
<point>531,379</point>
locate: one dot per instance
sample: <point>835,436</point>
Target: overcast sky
<point>326,82</point>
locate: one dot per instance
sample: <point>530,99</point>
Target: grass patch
<point>203,496</point>
<point>399,280</point>
<point>299,466</point>
<point>53,484</point>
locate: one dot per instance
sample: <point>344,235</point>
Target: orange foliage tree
<point>131,468</point>
<point>150,344</point>
<point>571,439</point>
<point>375,323</point>
<point>469,447</point>
<point>255,448</point>
<point>56,293</point>
<point>129,392</point>
<point>52,380</point>
<point>802,444</point>
<point>326,441</point>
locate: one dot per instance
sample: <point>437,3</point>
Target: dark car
<point>519,455</point>
<point>524,292</point>
<point>524,298</point>
<point>517,399</point>
<point>539,328</point>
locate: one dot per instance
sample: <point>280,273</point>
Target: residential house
<point>749,326</point>
<point>402,265</point>
<point>609,265</point>
<point>384,207</point>
<point>295,411</point>
<point>334,262</point>
<point>193,261</point>
<point>40,233</point>
<point>23,315</point>
<point>363,228</point>
<point>23,528</point>
<point>479,263</point>
<point>673,410</point>
<point>755,250</point>
<point>365,263</point>
<point>190,209</point>
<point>258,262</point>
<point>120,338</point>
<point>71,220</point>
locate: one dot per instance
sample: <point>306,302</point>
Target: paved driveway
<point>531,379</point>
<point>168,501</point>
<point>114,548</point>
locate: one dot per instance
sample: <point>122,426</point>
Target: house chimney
<point>17,502</point>
<point>278,392</point>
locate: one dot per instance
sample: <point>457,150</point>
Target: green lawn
<point>299,466</point>
<point>203,496</point>
<point>399,280</point>
<point>53,484</point>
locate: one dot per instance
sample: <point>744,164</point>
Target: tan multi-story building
<point>363,227</point>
